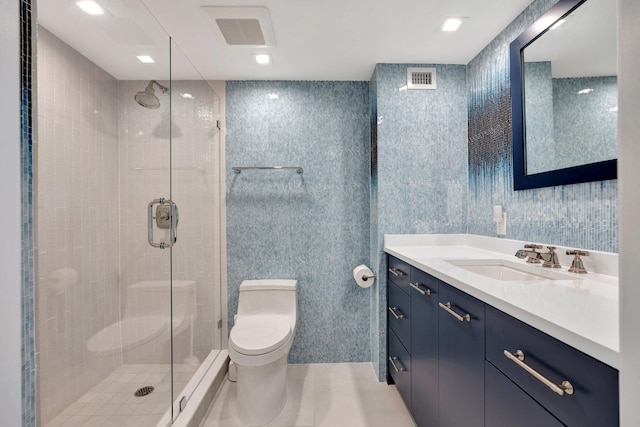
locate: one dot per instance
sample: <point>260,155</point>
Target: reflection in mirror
<point>570,90</point>
<point>564,96</point>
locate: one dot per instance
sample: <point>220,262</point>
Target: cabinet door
<point>461,361</point>
<point>507,405</point>
<point>424,348</point>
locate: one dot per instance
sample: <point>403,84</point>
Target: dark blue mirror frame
<point>599,171</point>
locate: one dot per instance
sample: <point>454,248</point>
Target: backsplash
<point>579,215</point>
<point>314,226</point>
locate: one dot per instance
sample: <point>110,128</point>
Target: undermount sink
<point>508,271</point>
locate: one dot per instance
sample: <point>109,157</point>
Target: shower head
<point>147,98</point>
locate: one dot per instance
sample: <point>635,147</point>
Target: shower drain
<point>141,392</point>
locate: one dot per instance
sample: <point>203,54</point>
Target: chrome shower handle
<point>173,227</point>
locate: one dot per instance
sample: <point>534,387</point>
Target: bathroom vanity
<point>477,337</point>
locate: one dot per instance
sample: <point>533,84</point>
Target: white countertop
<point>582,311</point>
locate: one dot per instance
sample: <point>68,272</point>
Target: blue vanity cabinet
<point>424,348</point>
<point>507,405</point>
<point>580,390</point>
<point>461,334</point>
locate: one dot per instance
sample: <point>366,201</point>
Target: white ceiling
<point>315,39</point>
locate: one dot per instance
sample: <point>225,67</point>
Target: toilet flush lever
<point>166,218</point>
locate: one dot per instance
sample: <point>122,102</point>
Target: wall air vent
<point>421,78</point>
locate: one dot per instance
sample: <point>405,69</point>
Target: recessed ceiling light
<point>263,58</point>
<point>451,24</point>
<point>145,59</point>
<point>557,24</point>
<point>90,7</point>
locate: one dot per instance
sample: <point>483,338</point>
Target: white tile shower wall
<point>580,215</point>
<point>421,174</point>
<point>313,227</point>
<point>77,230</point>
<point>144,174</point>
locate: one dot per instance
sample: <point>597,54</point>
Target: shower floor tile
<point>111,403</point>
<point>321,396</point>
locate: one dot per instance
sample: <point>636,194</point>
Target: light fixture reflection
<point>557,24</point>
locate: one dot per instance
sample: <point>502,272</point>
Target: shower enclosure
<point>128,224</point>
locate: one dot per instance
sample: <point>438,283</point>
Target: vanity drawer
<point>399,313</point>
<point>399,366</point>
<point>398,272</point>
<point>507,405</point>
<point>594,401</point>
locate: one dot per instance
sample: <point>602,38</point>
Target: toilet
<point>144,331</point>
<point>259,345</point>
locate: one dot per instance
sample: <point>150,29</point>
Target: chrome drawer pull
<point>417,287</point>
<point>396,315</point>
<point>393,361</point>
<point>396,272</point>
<point>518,358</point>
<point>447,307</point>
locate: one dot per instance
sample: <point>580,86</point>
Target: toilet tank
<point>153,297</point>
<point>268,297</point>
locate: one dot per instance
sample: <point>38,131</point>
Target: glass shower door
<point>195,187</point>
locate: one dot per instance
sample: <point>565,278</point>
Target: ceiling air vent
<point>241,31</point>
<point>421,78</point>
<point>241,26</point>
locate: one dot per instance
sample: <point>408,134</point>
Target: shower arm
<point>162,88</point>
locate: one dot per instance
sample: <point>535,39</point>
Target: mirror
<point>564,96</point>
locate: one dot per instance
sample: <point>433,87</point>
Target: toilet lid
<point>253,335</point>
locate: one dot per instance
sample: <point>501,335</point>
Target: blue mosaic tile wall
<point>580,215</point>
<point>26,159</point>
<point>421,179</point>
<point>591,118</point>
<point>313,227</point>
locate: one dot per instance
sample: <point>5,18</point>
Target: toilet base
<point>262,392</point>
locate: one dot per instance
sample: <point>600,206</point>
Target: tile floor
<point>111,403</point>
<point>333,395</point>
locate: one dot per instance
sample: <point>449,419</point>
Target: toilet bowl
<point>145,327</point>
<point>259,345</point>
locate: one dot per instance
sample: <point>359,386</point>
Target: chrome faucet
<point>533,257</point>
<point>576,265</point>
<point>551,258</point>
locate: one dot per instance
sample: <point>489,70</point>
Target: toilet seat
<point>256,335</point>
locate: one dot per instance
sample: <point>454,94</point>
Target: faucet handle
<point>576,265</point>
<point>532,246</point>
<point>577,253</point>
